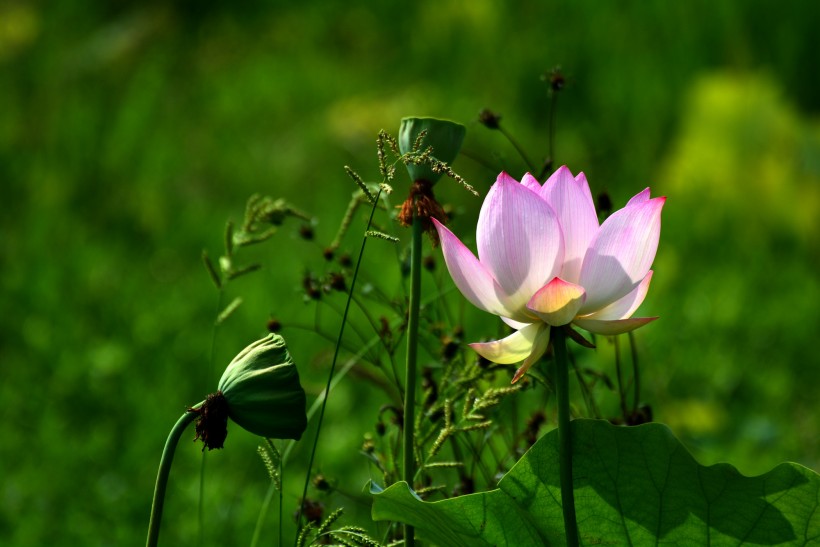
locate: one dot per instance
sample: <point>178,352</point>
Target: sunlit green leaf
<point>633,486</point>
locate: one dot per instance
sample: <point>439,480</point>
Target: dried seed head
<point>212,423</point>
<point>274,325</point>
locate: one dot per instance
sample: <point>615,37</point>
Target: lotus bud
<point>445,138</point>
<point>260,391</point>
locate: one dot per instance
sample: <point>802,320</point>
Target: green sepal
<point>444,136</point>
<point>262,388</point>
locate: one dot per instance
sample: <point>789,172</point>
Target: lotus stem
<point>410,378</point>
<point>559,344</point>
<point>162,474</point>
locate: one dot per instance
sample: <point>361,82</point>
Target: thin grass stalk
<point>333,366</point>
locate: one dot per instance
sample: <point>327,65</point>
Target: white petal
<point>517,325</point>
<point>512,349</point>
<point>519,241</point>
<point>621,254</point>
<point>539,347</point>
<point>572,202</point>
<point>626,306</point>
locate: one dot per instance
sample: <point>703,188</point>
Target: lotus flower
<point>544,261</point>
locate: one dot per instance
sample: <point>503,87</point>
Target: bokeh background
<point>131,131</point>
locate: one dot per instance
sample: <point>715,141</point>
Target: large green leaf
<point>633,486</point>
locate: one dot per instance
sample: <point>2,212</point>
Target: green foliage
<point>130,132</point>
<point>633,486</point>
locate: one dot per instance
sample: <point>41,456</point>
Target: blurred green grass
<point>130,132</point>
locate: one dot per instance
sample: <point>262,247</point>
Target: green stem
<point>559,344</point>
<point>635,371</point>
<point>412,347</point>
<point>332,369</point>
<point>518,149</point>
<point>551,158</point>
<point>162,474</point>
<point>621,392</point>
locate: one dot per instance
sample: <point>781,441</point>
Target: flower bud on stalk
<point>443,136</point>
<point>260,391</point>
<point>438,143</point>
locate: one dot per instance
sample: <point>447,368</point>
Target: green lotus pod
<point>444,136</point>
<point>261,387</point>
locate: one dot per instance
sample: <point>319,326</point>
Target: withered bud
<point>489,119</point>
<point>345,261</point>
<point>311,287</point>
<point>306,232</point>
<point>557,80</point>
<point>328,253</point>
<point>603,204</point>
<point>429,263</point>
<point>274,325</point>
<point>449,348</point>
<point>321,483</point>
<point>336,281</point>
<point>313,511</point>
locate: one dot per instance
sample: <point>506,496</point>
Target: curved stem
<point>559,344</point>
<point>162,474</point>
<point>412,348</point>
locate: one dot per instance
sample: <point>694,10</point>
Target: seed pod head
<point>444,136</point>
<point>262,389</point>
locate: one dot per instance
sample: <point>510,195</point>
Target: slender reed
<point>333,367</point>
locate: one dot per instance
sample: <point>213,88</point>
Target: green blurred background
<point>131,131</point>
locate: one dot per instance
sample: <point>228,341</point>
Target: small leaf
<point>633,486</point>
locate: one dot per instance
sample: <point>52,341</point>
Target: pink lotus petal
<point>470,276</point>
<point>539,347</point>
<point>581,179</point>
<point>573,204</point>
<point>519,241</point>
<point>621,254</point>
<point>619,326</point>
<point>531,182</point>
<point>557,302</point>
<point>640,197</point>
<point>626,306</point>
<point>512,349</point>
